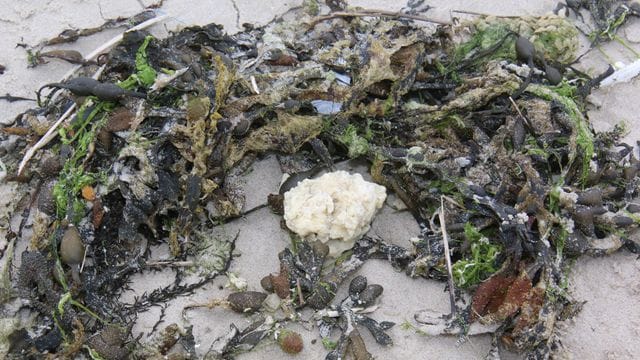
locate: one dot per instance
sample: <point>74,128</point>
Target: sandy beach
<point>608,327</point>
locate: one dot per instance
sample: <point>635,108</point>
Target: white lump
<point>336,208</point>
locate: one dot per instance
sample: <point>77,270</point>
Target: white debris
<point>162,80</point>
<point>336,208</point>
<point>625,73</point>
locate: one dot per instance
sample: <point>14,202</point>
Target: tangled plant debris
<point>491,121</point>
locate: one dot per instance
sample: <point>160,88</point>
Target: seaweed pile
<point>478,128</point>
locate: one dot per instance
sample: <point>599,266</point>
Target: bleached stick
<point>447,256</point>
<point>111,43</point>
<point>44,140</point>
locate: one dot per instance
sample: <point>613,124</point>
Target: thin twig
<point>219,221</point>
<point>210,305</point>
<point>447,256</point>
<point>111,43</point>
<point>515,106</point>
<point>520,113</point>
<point>48,136</point>
<point>162,80</point>
<point>160,263</point>
<point>375,13</point>
<point>84,259</point>
<point>485,15</point>
<point>453,201</point>
<point>300,296</point>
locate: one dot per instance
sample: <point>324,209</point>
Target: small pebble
<point>71,247</point>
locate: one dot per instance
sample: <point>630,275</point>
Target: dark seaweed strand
<point>160,296</point>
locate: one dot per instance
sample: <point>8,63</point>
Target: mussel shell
<point>320,249</point>
<point>633,208</point>
<point>623,221</point>
<point>629,173</point>
<point>50,167</point>
<point>266,283</point>
<point>610,173</point>
<point>590,197</point>
<point>575,244</point>
<point>46,202</point>
<point>519,134</point>
<point>357,285</point>
<point>369,295</point>
<point>583,218</point>
<point>321,297</point>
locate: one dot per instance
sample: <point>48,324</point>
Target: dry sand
<point>607,328</point>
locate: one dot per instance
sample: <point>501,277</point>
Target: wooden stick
<point>515,106</point>
<point>44,140</point>
<point>485,15</point>
<point>447,256</point>
<point>170,263</point>
<point>111,43</point>
<point>300,297</point>
<point>375,13</point>
<point>527,122</point>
